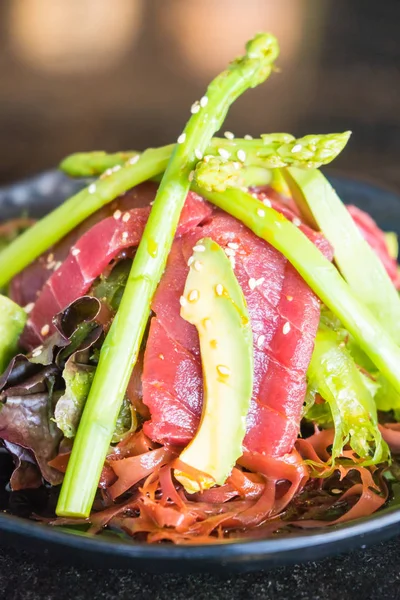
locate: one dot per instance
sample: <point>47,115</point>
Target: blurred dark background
<point>122,74</point>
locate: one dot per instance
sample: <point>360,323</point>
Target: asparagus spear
<point>357,261</point>
<point>270,151</point>
<point>322,276</point>
<point>120,349</point>
<point>49,230</point>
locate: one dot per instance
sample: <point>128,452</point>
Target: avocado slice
<point>12,322</point>
<point>213,301</point>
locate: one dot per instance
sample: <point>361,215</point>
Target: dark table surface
<point>81,75</point>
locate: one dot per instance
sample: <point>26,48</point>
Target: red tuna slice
<point>90,257</point>
<point>376,239</point>
<point>25,286</point>
<point>284,315</point>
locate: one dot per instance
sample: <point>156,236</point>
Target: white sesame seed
<point>223,370</point>
<point>199,248</point>
<point>233,245</point>
<point>260,281</point>
<point>161,356</point>
<point>197,265</point>
<point>75,251</point>
<point>28,308</point>
<point>190,261</point>
<point>134,159</point>
<point>50,257</point>
<point>45,330</point>
<point>198,154</point>
<point>224,153</point>
<point>182,301</point>
<point>181,139</point>
<point>289,298</point>
<point>219,289</point>
<point>296,148</point>
<point>57,265</point>
<point>229,135</point>
<point>232,261</point>
<point>50,265</point>
<point>296,221</point>
<point>125,235</point>
<point>255,196</point>
<point>195,107</point>
<point>286,328</point>
<point>261,212</point>
<point>241,154</point>
<point>37,351</point>
<point>117,214</point>
<point>267,202</point>
<point>230,252</point>
<point>248,137</point>
<point>194,296</point>
<point>92,188</point>
<point>252,283</point>
<point>237,166</point>
<point>116,168</point>
<point>203,101</point>
<point>260,341</point>
<point>191,176</point>
<point>337,491</point>
<point>126,217</point>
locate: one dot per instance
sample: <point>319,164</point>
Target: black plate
<point>38,195</point>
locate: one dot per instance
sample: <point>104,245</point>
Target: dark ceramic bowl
<point>37,196</point>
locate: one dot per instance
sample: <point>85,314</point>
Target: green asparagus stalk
<point>270,151</point>
<point>321,275</point>
<point>49,230</point>
<point>357,261</point>
<point>120,349</point>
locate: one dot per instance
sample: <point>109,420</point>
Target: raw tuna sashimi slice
<point>284,314</point>
<point>90,256</point>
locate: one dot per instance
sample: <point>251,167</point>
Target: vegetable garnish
<point>195,363</point>
<point>121,346</point>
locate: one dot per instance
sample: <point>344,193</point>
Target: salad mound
<point>203,343</point>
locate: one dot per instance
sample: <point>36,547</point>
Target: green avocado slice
<point>12,322</point>
<point>213,301</point>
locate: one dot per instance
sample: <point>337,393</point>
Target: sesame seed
<point>261,212</point>
<point>182,301</point>
<point>191,176</point>
<point>195,107</point>
<point>260,341</point>
<point>248,137</point>
<point>50,265</point>
<point>181,139</point>
<point>267,202</point>
<point>260,281</point>
<point>161,356</point>
<point>125,235</point>
<point>116,168</point>
<point>57,265</point>
<point>45,330</point>
<point>237,166</point>
<point>255,196</point>
<point>223,370</point>
<point>224,153</point>
<point>203,101</point>
<point>336,491</point>
<point>252,283</point>
<point>296,148</point>
<point>134,159</point>
<point>229,135</point>
<point>232,261</point>
<point>194,296</point>
<point>289,298</point>
<point>241,154</point>
<point>126,217</point>
<point>28,308</point>
<point>286,328</point>
<point>296,221</point>
<point>342,345</point>
<point>92,188</point>
<point>198,154</point>
<point>50,257</point>
<point>75,251</point>
<point>117,214</point>
<point>219,289</point>
<point>190,261</point>
<point>197,265</point>
<point>199,248</point>
<point>233,245</point>
<point>37,351</point>
<point>230,252</point>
